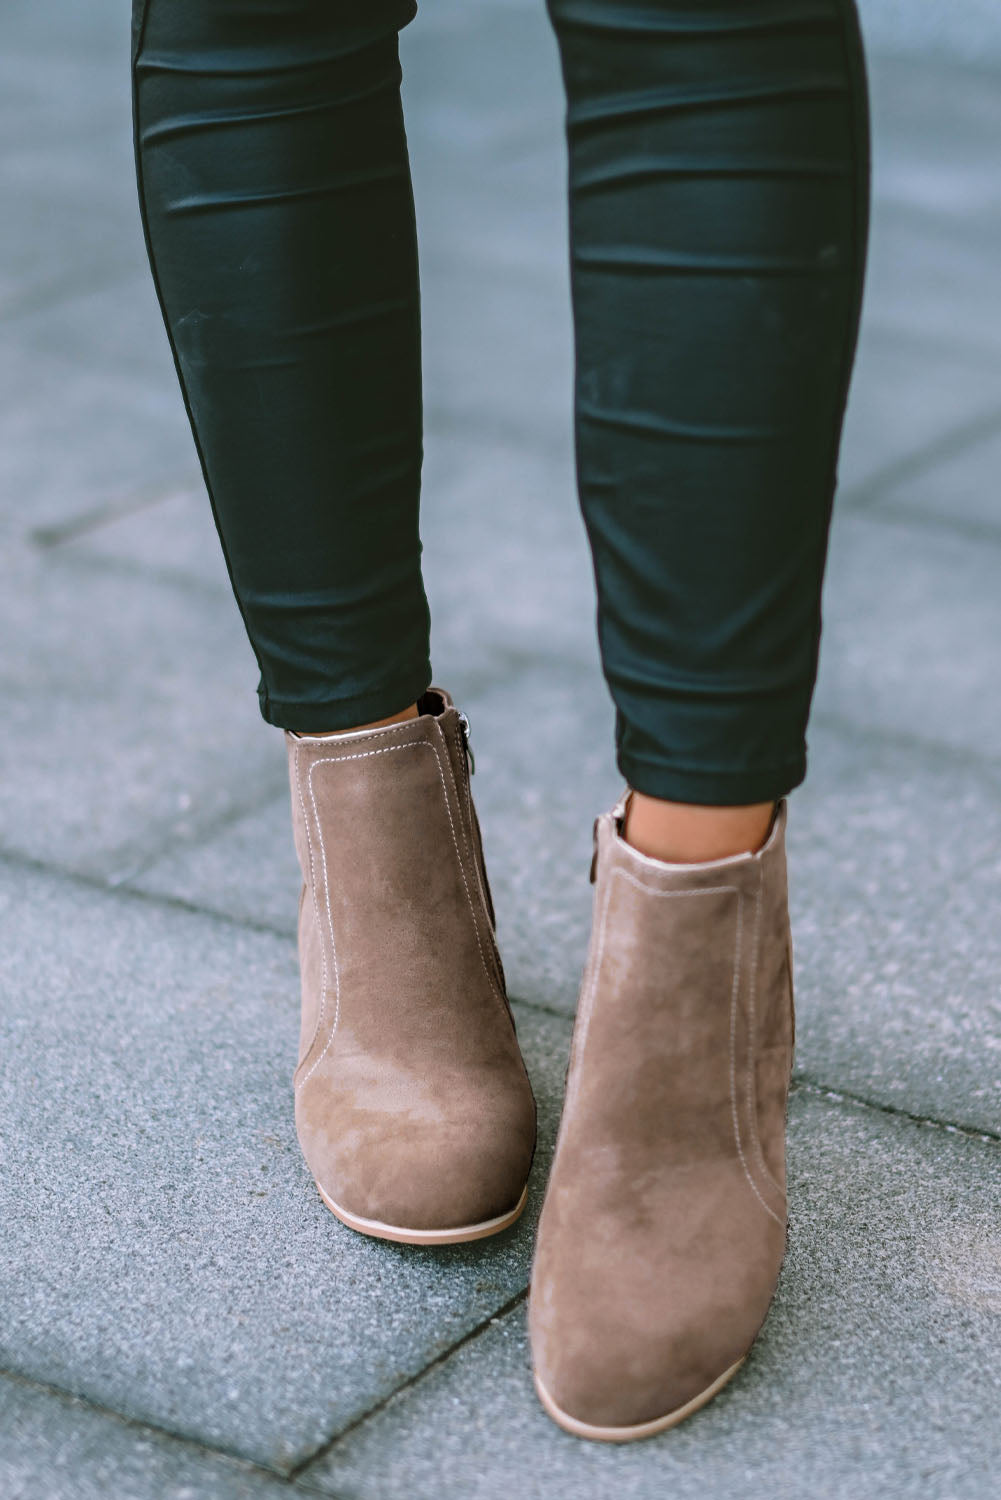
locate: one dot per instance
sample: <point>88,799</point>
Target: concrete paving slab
<point>961,493</point>
<point>115,328</point>
<point>483,77</point>
<point>912,625</point>
<point>95,36</point>
<point>932,286</point>
<point>898,409</point>
<point>876,1372</point>
<point>894,856</point>
<point>498,356</point>
<point>74,441</point>
<point>933,122</point>
<point>246,870</point>
<point>166,1253</point>
<point>56,1448</point>
<point>65,149</point>
<point>969,31</point>
<point>170,537</point>
<point>130,712</point>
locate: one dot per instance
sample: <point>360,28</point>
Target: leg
<point>718,196</point>
<point>276,199</point>
<point>718,180</point>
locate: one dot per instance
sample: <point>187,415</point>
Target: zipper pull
<point>468,747</point>
<point>594,856</point>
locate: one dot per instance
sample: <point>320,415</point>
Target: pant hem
<point>713,787</point>
<point>318,714</point>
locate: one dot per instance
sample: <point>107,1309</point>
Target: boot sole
<point>641,1429</point>
<point>377,1230</point>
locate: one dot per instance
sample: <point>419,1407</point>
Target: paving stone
<point>960,493</point>
<point>497,351</point>
<point>912,622</point>
<point>130,711</point>
<point>484,78</point>
<point>932,284</point>
<point>969,30</point>
<point>876,1372</point>
<point>65,157</point>
<point>59,1448</point>
<point>176,1263</point>
<point>69,226</point>
<point>75,441</point>
<point>484,105</point>
<point>170,537</point>
<point>932,120</point>
<point>115,328</point>
<point>246,870</point>
<point>895,410</point>
<point>98,34</point>
<point>933,277</point>
<point>894,855</point>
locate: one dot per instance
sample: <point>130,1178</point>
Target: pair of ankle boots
<point>663,1228</point>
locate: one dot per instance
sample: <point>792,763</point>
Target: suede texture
<point>663,1229</point>
<point>413,1106</point>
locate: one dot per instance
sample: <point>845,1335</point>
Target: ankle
<point>686,833</point>
<point>322,734</point>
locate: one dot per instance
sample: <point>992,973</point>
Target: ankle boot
<point>664,1223</point>
<point>413,1107</point>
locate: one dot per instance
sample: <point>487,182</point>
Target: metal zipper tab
<point>465,740</point>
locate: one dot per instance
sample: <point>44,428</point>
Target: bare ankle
<point>685,833</point>
<point>400,718</point>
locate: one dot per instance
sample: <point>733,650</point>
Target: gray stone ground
<point>179,1315</point>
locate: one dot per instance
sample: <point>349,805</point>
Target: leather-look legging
<point>718,154</point>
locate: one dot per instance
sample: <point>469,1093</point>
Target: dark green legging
<point>718,203</point>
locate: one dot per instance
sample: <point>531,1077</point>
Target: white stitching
<point>364,755</point>
<point>738,959</point>
<point>752,1106</point>
<point>584,1011</point>
<point>587,1007</point>
<point>325,761</point>
<point>356,737</point>
<point>316,914</point>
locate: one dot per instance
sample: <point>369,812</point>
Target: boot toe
<point>610,1358</point>
<point>392,1170</point>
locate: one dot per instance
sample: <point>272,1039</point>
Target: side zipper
<point>467,745</point>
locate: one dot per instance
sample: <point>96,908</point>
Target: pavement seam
<point>113,510</point>
<point>331,1442</point>
<point>208,830</point>
<point>803,1084</point>
<point>131,893</point>
<point>101,886</point>
<point>939,450</point>
<point>142,1426</point>
<point>966,529</point>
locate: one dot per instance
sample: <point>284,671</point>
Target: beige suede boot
<point>413,1107</point>
<point>663,1228</point>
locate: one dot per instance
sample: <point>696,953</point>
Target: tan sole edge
<point>379,1231</point>
<point>642,1429</point>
